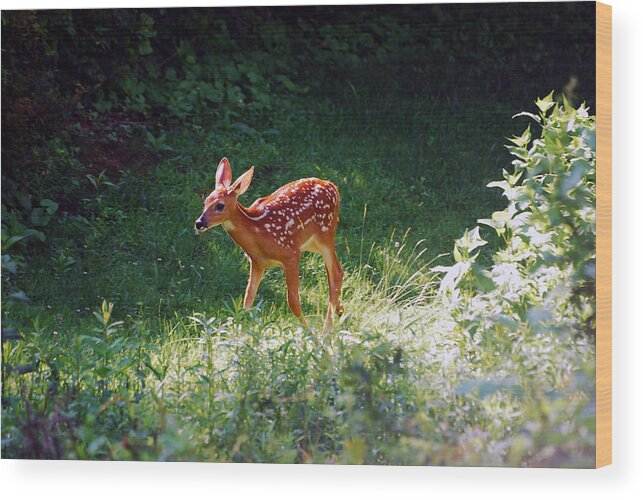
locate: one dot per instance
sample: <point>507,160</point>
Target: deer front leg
<point>256,273</point>
<point>291,270</point>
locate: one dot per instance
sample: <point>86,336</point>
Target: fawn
<point>275,230</point>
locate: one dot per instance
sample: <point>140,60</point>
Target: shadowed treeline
<point>240,65</point>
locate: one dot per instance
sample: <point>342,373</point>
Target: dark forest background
<point>99,80</point>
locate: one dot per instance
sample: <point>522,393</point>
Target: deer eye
<point>219,206</point>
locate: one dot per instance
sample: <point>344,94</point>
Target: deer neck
<point>242,228</point>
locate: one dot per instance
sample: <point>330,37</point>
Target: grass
<point>178,371</point>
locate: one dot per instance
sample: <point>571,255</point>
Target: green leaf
<point>523,140</point>
<point>10,265</point>
<point>39,235</point>
<point>38,217</point>
<point>454,275</point>
<point>465,245</point>
<point>11,241</point>
<point>472,240</point>
<point>512,179</point>
<point>545,103</point>
<point>500,228</point>
<point>50,205</point>
<point>500,219</point>
<point>504,185</point>
<point>536,118</point>
<point>457,255</point>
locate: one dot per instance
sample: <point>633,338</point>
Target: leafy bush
<point>539,295</point>
<point>21,225</point>
<point>543,277</point>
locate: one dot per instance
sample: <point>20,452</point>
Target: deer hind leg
<point>291,270</point>
<point>256,273</point>
<point>335,276</point>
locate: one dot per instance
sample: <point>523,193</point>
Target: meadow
<point>467,337</point>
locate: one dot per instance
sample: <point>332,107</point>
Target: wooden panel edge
<point>603,234</point>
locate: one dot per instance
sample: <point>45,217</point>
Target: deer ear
<point>224,173</point>
<point>240,186</point>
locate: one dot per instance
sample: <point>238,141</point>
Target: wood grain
<point>603,235</point>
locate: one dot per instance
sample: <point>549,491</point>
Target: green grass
<point>188,375</point>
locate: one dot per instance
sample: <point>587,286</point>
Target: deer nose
<point>198,225</point>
